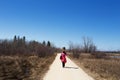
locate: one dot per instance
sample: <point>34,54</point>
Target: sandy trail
<point>70,72</point>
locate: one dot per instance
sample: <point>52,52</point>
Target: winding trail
<point>70,72</point>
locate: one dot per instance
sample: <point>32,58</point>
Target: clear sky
<point>61,21</point>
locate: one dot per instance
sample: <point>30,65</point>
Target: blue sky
<point>61,21</point>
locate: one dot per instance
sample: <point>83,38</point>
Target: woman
<point>63,58</point>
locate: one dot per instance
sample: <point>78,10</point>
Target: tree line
<point>19,46</point>
<point>87,46</point>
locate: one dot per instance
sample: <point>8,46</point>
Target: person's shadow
<point>71,67</point>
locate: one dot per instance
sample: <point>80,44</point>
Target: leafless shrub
<point>24,60</point>
<point>75,50</point>
<point>88,45</point>
<point>24,67</point>
<point>99,54</point>
<point>19,46</point>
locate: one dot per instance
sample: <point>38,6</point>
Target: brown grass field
<point>24,67</point>
<point>100,69</point>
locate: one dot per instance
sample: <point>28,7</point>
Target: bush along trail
<point>24,68</point>
<point>25,60</point>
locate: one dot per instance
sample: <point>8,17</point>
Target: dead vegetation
<point>24,68</point>
<point>100,68</point>
<point>24,60</point>
<point>102,65</point>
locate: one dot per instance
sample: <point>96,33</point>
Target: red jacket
<point>63,57</point>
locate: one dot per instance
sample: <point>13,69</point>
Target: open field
<point>100,69</point>
<point>24,67</point>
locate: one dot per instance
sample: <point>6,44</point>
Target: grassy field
<point>24,67</point>
<point>100,69</point>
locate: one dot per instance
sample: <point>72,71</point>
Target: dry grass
<point>100,69</point>
<point>24,67</point>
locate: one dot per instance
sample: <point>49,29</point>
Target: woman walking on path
<point>63,57</point>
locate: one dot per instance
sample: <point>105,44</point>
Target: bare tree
<point>88,45</point>
<point>19,46</point>
<point>74,49</point>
